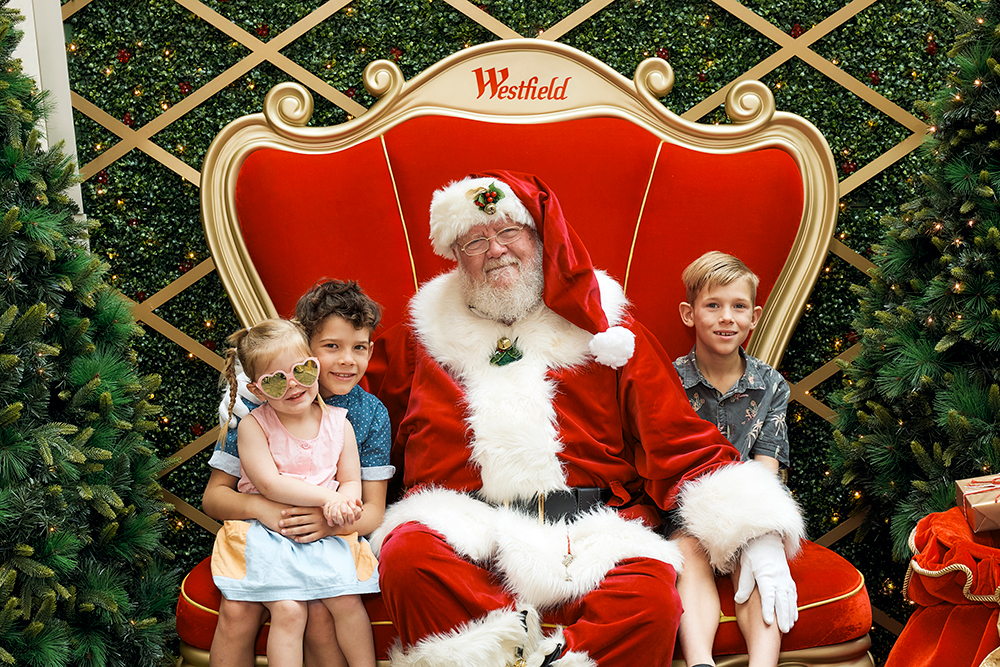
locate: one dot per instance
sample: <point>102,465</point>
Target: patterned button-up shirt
<point>751,414</point>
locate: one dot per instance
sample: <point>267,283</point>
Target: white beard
<point>506,304</point>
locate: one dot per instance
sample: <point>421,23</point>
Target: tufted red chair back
<point>645,209</point>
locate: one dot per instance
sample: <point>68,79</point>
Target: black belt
<point>557,505</point>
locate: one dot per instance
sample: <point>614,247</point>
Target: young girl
<point>295,450</point>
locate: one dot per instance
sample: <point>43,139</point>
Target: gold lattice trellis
<point>270,51</point>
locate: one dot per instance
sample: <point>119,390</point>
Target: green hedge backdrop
<point>140,69</point>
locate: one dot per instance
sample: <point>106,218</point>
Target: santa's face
<point>505,283</point>
<point>500,265</point>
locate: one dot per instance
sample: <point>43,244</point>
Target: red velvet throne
<point>285,204</point>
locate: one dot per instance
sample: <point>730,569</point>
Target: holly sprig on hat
<point>487,198</point>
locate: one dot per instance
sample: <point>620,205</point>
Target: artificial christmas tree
<point>82,580</point>
<point>921,402</point>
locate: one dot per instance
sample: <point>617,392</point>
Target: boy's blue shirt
<point>367,415</point>
<point>751,415</point>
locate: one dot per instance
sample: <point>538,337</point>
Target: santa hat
<point>571,288</point>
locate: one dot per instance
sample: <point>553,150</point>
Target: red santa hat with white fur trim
<point>571,287</point>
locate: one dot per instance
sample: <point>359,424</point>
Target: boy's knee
<point>319,616</point>
<point>240,615</point>
<point>344,604</point>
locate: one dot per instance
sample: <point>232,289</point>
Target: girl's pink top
<point>313,461</point>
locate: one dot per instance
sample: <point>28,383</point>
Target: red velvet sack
<point>953,577</point>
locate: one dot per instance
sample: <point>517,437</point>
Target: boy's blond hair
<point>714,269</point>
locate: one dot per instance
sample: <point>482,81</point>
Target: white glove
<point>240,410</point>
<point>763,561</point>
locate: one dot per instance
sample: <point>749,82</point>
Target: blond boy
<point>747,400</point>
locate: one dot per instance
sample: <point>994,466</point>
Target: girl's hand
<point>344,512</point>
<point>304,524</point>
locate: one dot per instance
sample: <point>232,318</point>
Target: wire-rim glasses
<point>505,236</point>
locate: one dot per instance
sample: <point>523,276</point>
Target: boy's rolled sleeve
<point>773,438</point>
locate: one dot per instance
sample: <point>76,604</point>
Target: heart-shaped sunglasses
<point>275,385</point>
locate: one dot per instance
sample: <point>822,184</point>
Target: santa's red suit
<point>467,577</point>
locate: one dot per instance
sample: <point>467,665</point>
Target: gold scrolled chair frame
<point>750,105</point>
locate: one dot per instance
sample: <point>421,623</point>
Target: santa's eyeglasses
<point>505,236</point>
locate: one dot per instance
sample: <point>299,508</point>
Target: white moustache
<point>499,263</point>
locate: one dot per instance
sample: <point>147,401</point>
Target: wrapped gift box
<point>980,499</point>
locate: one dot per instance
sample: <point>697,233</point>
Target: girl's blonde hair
<point>254,347</point>
<point>714,269</point>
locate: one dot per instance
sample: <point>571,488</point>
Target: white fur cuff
<point>727,508</point>
<point>466,523</point>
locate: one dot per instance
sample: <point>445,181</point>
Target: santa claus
<point>543,436</point>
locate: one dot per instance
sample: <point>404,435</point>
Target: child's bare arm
<point>349,465</point>
<point>349,480</point>
<point>769,461</point>
<point>255,457</point>
<point>373,494</point>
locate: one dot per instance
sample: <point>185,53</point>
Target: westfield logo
<point>495,81</point>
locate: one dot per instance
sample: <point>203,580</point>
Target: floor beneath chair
<point>849,654</point>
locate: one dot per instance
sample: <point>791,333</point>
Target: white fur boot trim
<point>727,508</point>
<point>491,641</point>
<point>574,659</point>
<point>547,565</point>
<point>553,643</point>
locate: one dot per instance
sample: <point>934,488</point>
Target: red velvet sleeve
<point>390,378</point>
<point>671,443</point>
